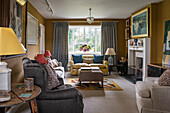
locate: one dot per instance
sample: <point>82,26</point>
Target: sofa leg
<point>80,83</point>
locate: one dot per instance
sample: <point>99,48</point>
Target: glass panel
<point>80,35</point>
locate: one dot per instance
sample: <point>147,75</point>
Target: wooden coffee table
<point>15,99</point>
<point>90,74</point>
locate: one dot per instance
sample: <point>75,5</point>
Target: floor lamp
<point>110,51</point>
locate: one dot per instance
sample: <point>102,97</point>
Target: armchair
<point>63,99</point>
<point>151,97</point>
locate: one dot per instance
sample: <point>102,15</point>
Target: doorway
<point>42,39</point>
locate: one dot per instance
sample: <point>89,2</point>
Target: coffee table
<point>90,74</point>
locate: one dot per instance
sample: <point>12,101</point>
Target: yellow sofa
<point>88,62</point>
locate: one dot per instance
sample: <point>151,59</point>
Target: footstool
<point>90,74</point>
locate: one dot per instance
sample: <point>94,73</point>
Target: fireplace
<point>138,58</point>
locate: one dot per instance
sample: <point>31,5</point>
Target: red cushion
<point>41,59</point>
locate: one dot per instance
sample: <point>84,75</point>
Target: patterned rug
<point>108,84</point>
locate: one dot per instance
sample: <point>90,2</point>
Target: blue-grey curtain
<point>60,43</point>
<point>109,38</point>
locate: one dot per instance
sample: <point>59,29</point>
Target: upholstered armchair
<point>62,99</point>
<point>151,97</point>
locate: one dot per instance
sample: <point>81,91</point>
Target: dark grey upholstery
<point>63,99</point>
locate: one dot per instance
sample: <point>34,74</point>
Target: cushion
<point>77,59</point>
<point>98,58</point>
<point>79,65</point>
<point>101,66</point>
<point>55,63</point>
<point>143,89</point>
<point>164,79</point>
<point>53,81</point>
<point>50,62</point>
<point>41,59</point>
<point>88,60</point>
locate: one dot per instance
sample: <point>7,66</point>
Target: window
<point>80,35</point>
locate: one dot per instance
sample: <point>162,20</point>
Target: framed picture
<point>139,22</point>
<point>32,29</point>
<point>166,48</point>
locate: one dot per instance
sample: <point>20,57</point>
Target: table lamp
<point>47,53</point>
<point>9,45</point>
<point>110,51</point>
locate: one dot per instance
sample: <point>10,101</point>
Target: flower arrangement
<point>85,47</point>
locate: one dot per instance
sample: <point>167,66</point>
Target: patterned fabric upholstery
<point>164,79</point>
<point>75,67</point>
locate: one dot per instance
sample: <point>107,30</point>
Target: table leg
<point>33,106</point>
<point>102,83</point>
<point>80,83</point>
<point>2,110</point>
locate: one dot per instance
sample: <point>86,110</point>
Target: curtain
<point>60,43</point>
<point>109,38</point>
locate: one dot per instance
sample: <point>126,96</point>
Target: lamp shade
<point>9,43</point>
<point>110,51</point>
<point>47,53</point>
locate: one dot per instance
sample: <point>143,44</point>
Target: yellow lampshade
<point>9,43</point>
<point>21,2</point>
<point>110,51</point>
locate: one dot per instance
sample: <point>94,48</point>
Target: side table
<point>121,66</point>
<point>15,99</point>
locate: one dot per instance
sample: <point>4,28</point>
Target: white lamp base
<point>5,75</point>
<point>110,60</point>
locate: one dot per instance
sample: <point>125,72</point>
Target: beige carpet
<point>100,101</point>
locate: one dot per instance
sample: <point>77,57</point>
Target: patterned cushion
<point>79,65</point>
<point>98,58</point>
<point>88,60</point>
<point>101,66</point>
<point>77,59</point>
<point>55,63</point>
<point>53,81</point>
<point>50,62</point>
<point>164,79</point>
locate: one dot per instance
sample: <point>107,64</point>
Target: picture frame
<point>166,45</point>
<point>32,29</point>
<point>139,24</point>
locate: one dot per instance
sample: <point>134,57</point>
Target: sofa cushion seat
<point>143,89</point>
<point>79,65</point>
<point>101,66</point>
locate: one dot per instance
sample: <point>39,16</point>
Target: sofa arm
<point>161,97</point>
<point>71,62</point>
<point>105,62</point>
<point>63,92</point>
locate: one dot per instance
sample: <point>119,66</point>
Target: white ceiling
<point>76,9</point>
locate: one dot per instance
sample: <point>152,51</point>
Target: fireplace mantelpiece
<point>138,56</point>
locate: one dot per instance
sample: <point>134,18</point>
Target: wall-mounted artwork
<point>139,22</point>
<point>32,30</point>
<point>166,48</point>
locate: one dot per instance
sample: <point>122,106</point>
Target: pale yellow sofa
<point>88,62</point>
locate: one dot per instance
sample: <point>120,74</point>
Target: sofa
<point>151,97</point>
<point>62,99</point>
<point>88,61</point>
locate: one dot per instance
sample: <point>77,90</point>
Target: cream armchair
<point>152,98</point>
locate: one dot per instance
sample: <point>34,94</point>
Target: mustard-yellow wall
<point>15,64</point>
<point>33,50</point>
<point>163,15</point>
<point>120,34</point>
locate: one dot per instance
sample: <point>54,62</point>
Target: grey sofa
<point>63,99</point>
<point>152,98</point>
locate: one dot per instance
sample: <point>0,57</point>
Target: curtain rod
<point>82,21</point>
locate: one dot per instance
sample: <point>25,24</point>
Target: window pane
<point>80,35</point>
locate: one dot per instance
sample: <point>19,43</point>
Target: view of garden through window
<point>84,35</point>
